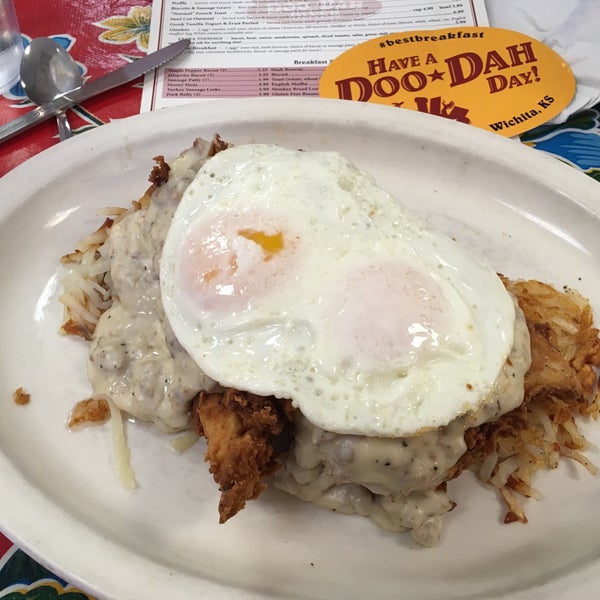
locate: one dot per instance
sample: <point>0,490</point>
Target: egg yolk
<point>224,264</point>
<point>271,244</point>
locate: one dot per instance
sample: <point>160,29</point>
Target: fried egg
<point>293,274</point>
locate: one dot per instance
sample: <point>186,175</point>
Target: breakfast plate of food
<point>301,348</point>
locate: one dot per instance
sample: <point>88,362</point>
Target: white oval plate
<point>525,213</point>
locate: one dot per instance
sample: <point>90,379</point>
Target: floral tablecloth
<point>101,36</point>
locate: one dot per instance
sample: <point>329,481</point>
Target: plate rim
<point>539,166</point>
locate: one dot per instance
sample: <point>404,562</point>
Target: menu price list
<point>263,27</point>
<point>241,82</point>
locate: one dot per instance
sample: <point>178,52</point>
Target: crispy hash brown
<point>560,384</point>
<point>21,397</point>
<point>92,410</point>
<point>246,433</point>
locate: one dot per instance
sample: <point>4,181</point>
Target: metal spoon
<point>47,71</point>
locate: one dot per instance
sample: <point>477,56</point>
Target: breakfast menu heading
<point>276,47</point>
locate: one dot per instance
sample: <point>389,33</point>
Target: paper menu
<point>243,48</point>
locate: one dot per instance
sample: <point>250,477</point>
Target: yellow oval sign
<point>496,79</point>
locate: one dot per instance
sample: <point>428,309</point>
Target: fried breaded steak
<point>245,434</point>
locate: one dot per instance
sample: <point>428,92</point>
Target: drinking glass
<point>11,45</point>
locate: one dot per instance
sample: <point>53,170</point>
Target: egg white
<point>294,274</point>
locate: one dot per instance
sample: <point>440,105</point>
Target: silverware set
<point>53,81</point>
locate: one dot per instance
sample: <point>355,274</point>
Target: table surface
<point>104,35</point>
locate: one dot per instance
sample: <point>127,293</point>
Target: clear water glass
<point>11,45</point>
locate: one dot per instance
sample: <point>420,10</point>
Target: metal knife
<point>104,83</point>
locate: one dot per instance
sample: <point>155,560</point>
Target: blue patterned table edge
<point>575,142</point>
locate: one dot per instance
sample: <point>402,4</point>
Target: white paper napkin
<point>570,27</point>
